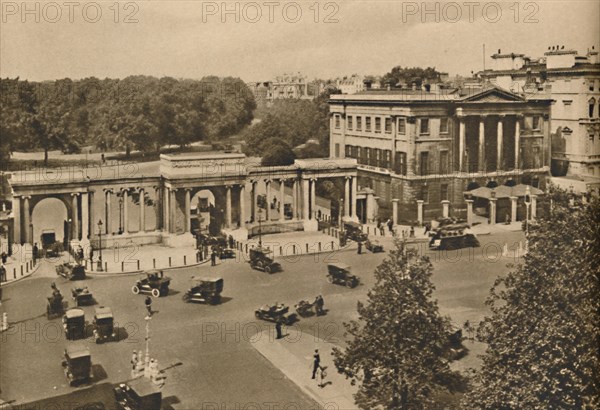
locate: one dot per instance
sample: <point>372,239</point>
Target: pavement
<point>20,264</point>
<point>293,355</point>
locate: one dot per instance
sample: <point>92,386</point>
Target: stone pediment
<point>493,95</point>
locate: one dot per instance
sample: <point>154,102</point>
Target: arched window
<point>591,107</point>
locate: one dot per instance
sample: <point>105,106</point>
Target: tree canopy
<point>543,332</point>
<point>398,347</point>
<point>138,111</point>
<point>410,75</point>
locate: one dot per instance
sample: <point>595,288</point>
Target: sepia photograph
<point>299,205</point>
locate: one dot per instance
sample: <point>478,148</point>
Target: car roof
<point>77,350</point>
<point>72,313</point>
<point>202,279</point>
<point>340,265</point>
<point>143,387</point>
<point>103,312</point>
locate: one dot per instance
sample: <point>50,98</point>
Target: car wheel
<point>155,293</point>
<point>350,284</point>
<point>135,290</point>
<point>268,269</point>
<point>257,315</point>
<point>329,279</point>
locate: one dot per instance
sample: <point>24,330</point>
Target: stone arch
<point>48,219</point>
<point>203,205</point>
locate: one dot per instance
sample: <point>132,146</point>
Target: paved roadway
<point>218,366</point>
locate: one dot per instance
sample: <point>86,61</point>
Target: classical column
<point>268,194</point>
<point>305,202</point>
<point>445,208</point>
<point>107,216</point>
<point>27,219</point>
<point>395,211</point>
<point>167,211</point>
<point>533,207</point>
<point>347,198</point>
<point>469,211</point>
<point>188,210</point>
<point>158,207</point>
<point>513,208</point>
<point>125,193</point>
<point>295,214</point>
<point>16,211</point>
<point>173,209</point>
<point>493,203</point>
<point>353,213</point>
<point>461,143</point>
<point>281,199</point>
<point>85,216</point>
<point>499,153</point>
<point>142,210</point>
<point>242,206</point>
<point>481,156</point>
<point>75,217</point>
<point>517,141</point>
<point>228,206</point>
<point>313,199</point>
<point>420,211</point>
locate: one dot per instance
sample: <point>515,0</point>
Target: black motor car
<point>275,313</point>
<point>339,273</point>
<point>373,245</point>
<point>71,271</point>
<point>77,364</point>
<point>154,284</point>
<point>104,327</point>
<point>74,324</point>
<point>260,260</point>
<point>205,291</point>
<point>82,296</point>
<point>138,394</point>
<point>353,231</point>
<point>454,236</point>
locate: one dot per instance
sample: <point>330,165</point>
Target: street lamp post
<point>147,355</point>
<point>260,228</point>
<point>341,214</point>
<point>120,214</point>
<point>527,206</point>
<point>99,267</point>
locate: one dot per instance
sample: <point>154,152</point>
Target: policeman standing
<point>149,305</point>
<point>359,247</point>
<point>278,329</point>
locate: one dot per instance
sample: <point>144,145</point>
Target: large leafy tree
<point>410,75</point>
<point>398,347</point>
<point>543,333</point>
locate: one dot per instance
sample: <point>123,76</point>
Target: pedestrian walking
<point>316,363</point>
<point>198,255</point>
<point>148,303</point>
<point>4,258</point>
<point>319,303</point>
<point>390,225</point>
<point>35,252</point>
<point>412,231</point>
<point>91,254</point>
<point>321,375</point>
<point>231,242</point>
<point>2,274</point>
<point>134,364</point>
<point>359,247</point>
<point>278,329</point>
<point>381,229</point>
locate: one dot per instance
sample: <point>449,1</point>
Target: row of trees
<point>137,112</point>
<point>542,334</point>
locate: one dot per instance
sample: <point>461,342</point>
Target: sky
<point>256,41</point>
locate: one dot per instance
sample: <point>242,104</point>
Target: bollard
<point>169,261</point>
<point>153,263</point>
<point>14,273</point>
<point>26,268</point>
<point>246,248</point>
<point>105,266</point>
<point>138,263</point>
<point>294,248</point>
<point>21,270</point>
<point>319,246</point>
<point>184,260</point>
<point>307,248</point>
<point>280,250</point>
<point>122,266</point>
<point>331,245</point>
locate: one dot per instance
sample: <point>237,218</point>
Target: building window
<point>425,193</point>
<point>350,125</point>
<point>376,160</point>
<point>365,156</point>
<point>424,163</point>
<point>348,150</point>
<point>444,192</point>
<point>385,161</point>
<point>368,124</point>
<point>591,106</point>
<point>337,150</point>
<point>357,154</point>
<point>377,124</point>
<point>400,165</point>
<point>424,126</point>
<point>388,125</point>
<point>358,123</point>
<point>337,121</point>
<point>444,126</point>
<point>537,158</point>
<point>401,125</point>
<point>536,122</point>
<point>567,102</point>
<point>444,162</point>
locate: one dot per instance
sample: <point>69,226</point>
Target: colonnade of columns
<point>481,152</point>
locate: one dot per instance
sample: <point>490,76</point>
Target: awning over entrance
<point>503,191</point>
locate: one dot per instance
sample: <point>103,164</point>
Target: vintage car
<point>154,283</point>
<point>226,253</point>
<point>77,364</point>
<point>454,236</point>
<point>353,231</point>
<point>138,394</point>
<point>55,306</point>
<point>260,260</point>
<point>275,313</point>
<point>339,273</point>
<point>82,296</point>
<point>74,324</point>
<point>71,271</point>
<point>374,245</point>
<point>205,291</point>
<point>104,327</point>
<point>304,308</point>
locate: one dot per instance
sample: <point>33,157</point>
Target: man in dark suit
<point>316,363</point>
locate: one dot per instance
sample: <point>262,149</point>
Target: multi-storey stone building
<point>418,151</point>
<point>573,82</point>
